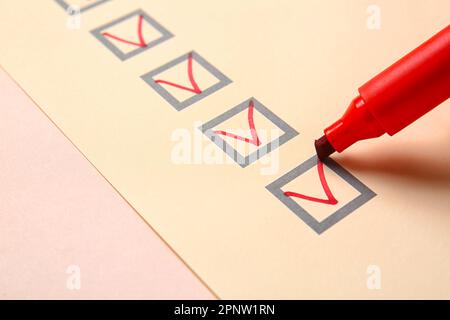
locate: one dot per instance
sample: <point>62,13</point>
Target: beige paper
<point>303,61</point>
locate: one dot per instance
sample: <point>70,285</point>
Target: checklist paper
<point>202,115</point>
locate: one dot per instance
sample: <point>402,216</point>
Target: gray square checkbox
<point>243,161</point>
<point>365,194</point>
<point>66,4</point>
<point>222,80</point>
<point>143,18</point>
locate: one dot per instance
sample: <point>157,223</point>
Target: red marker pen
<point>395,98</point>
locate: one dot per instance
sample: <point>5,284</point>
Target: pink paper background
<point>56,210</point>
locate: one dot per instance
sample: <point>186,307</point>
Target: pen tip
<point>323,148</point>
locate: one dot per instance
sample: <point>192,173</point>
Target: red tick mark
<point>330,198</point>
<point>251,124</point>
<point>195,88</point>
<point>141,42</point>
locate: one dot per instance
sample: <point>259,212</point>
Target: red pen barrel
<point>412,86</point>
<point>398,96</point>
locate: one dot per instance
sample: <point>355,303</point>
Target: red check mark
<point>195,88</point>
<point>141,42</point>
<point>330,198</point>
<point>254,140</point>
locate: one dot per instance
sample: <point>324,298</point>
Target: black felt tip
<point>323,148</point>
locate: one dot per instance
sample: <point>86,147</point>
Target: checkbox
<point>82,5</point>
<point>320,193</point>
<point>248,131</point>
<point>186,80</point>
<point>131,34</point>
